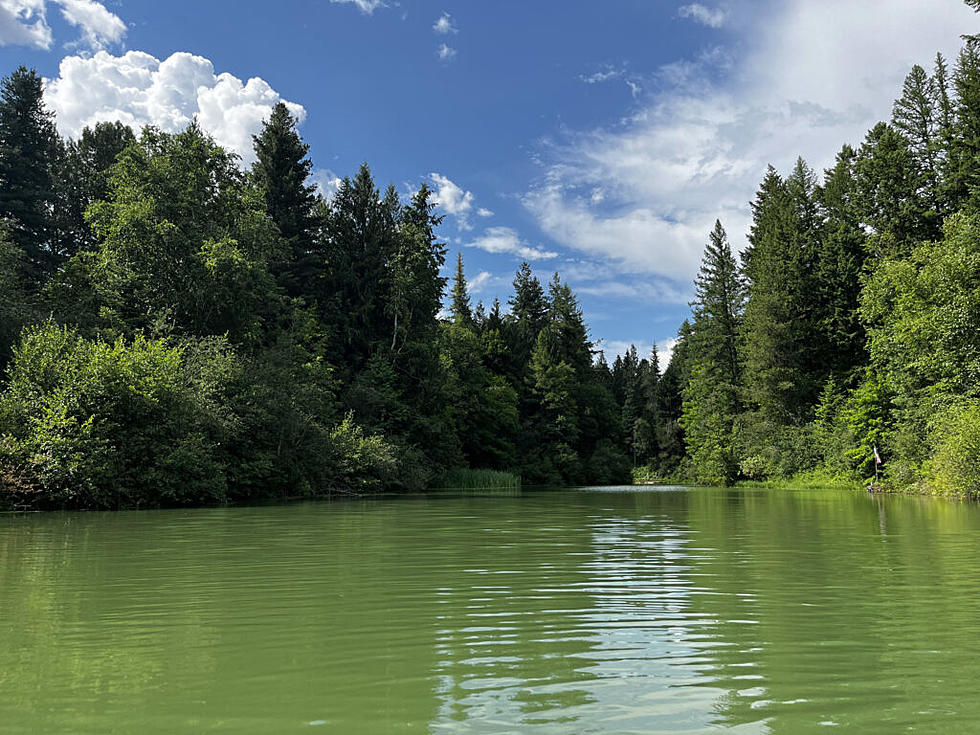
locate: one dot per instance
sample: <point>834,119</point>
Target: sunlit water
<point>594,611</point>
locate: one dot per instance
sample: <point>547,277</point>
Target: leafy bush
<point>116,424</point>
<point>955,467</point>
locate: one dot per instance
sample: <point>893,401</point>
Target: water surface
<point>589,611</point>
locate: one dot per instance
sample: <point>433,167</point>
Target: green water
<point>602,611</point>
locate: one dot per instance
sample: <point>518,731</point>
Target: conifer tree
<point>711,398</point>
<point>29,146</point>
<point>775,329</point>
<point>459,309</point>
<point>282,171</point>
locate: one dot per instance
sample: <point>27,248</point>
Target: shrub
<point>117,424</point>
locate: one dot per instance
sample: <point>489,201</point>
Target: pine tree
<point>459,309</point>
<point>841,256</point>
<point>29,147</point>
<point>82,178</point>
<point>779,314</point>
<point>529,314</point>
<point>711,398</point>
<point>282,171</point>
<point>888,191</point>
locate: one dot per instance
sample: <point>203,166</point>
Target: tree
<point>82,178</point>
<point>840,263</point>
<point>281,172</point>
<point>711,397</point>
<point>529,312</point>
<point>28,154</point>
<point>184,243</point>
<point>459,309</point>
<point>777,321</point>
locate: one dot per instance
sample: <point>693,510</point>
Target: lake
<point>600,610</point>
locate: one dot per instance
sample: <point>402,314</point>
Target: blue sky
<point>598,139</point>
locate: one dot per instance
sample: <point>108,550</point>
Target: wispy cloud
<point>604,74</point>
<point>365,6</point>
<point>25,23</point>
<point>444,25</point>
<point>486,282</point>
<point>506,241</point>
<point>711,17</point>
<point>697,149</point>
<point>445,52</point>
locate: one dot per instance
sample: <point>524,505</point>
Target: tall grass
<point>478,481</point>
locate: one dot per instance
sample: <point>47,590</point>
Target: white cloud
<point>444,25</point>
<point>453,200</point>
<point>487,282</point>
<point>365,6</point>
<point>655,292</point>
<point>603,75</point>
<point>484,212</point>
<point>139,90</point>
<point>99,26</point>
<point>25,23</point>
<point>711,17</point>
<point>697,150</point>
<point>505,240</point>
<point>445,53</point>
<point>326,182</point>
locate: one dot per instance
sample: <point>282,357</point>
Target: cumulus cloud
<point>697,150</point>
<point>139,90</point>
<point>444,25</point>
<point>25,23</point>
<point>365,6</point>
<point>445,53</point>
<point>506,241</point>
<point>484,212</point>
<point>711,17</point>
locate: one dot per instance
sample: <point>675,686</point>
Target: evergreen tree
<point>529,313</point>
<point>840,263</point>
<point>281,172</point>
<point>459,309</point>
<point>776,326</point>
<point>29,147</point>
<point>711,398</point>
<point>83,178</point>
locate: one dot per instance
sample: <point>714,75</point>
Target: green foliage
<point>28,157</point>
<point>954,468</point>
<point>119,424</point>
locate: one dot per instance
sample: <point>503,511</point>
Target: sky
<point>597,139</point>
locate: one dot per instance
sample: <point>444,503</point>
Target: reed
<point>482,481</point>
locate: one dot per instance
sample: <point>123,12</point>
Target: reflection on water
<point>591,611</point>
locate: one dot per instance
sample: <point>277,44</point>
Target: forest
<point>175,329</point>
<point>178,329</point>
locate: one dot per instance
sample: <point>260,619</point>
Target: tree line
<point>178,329</point>
<point>848,330</point>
